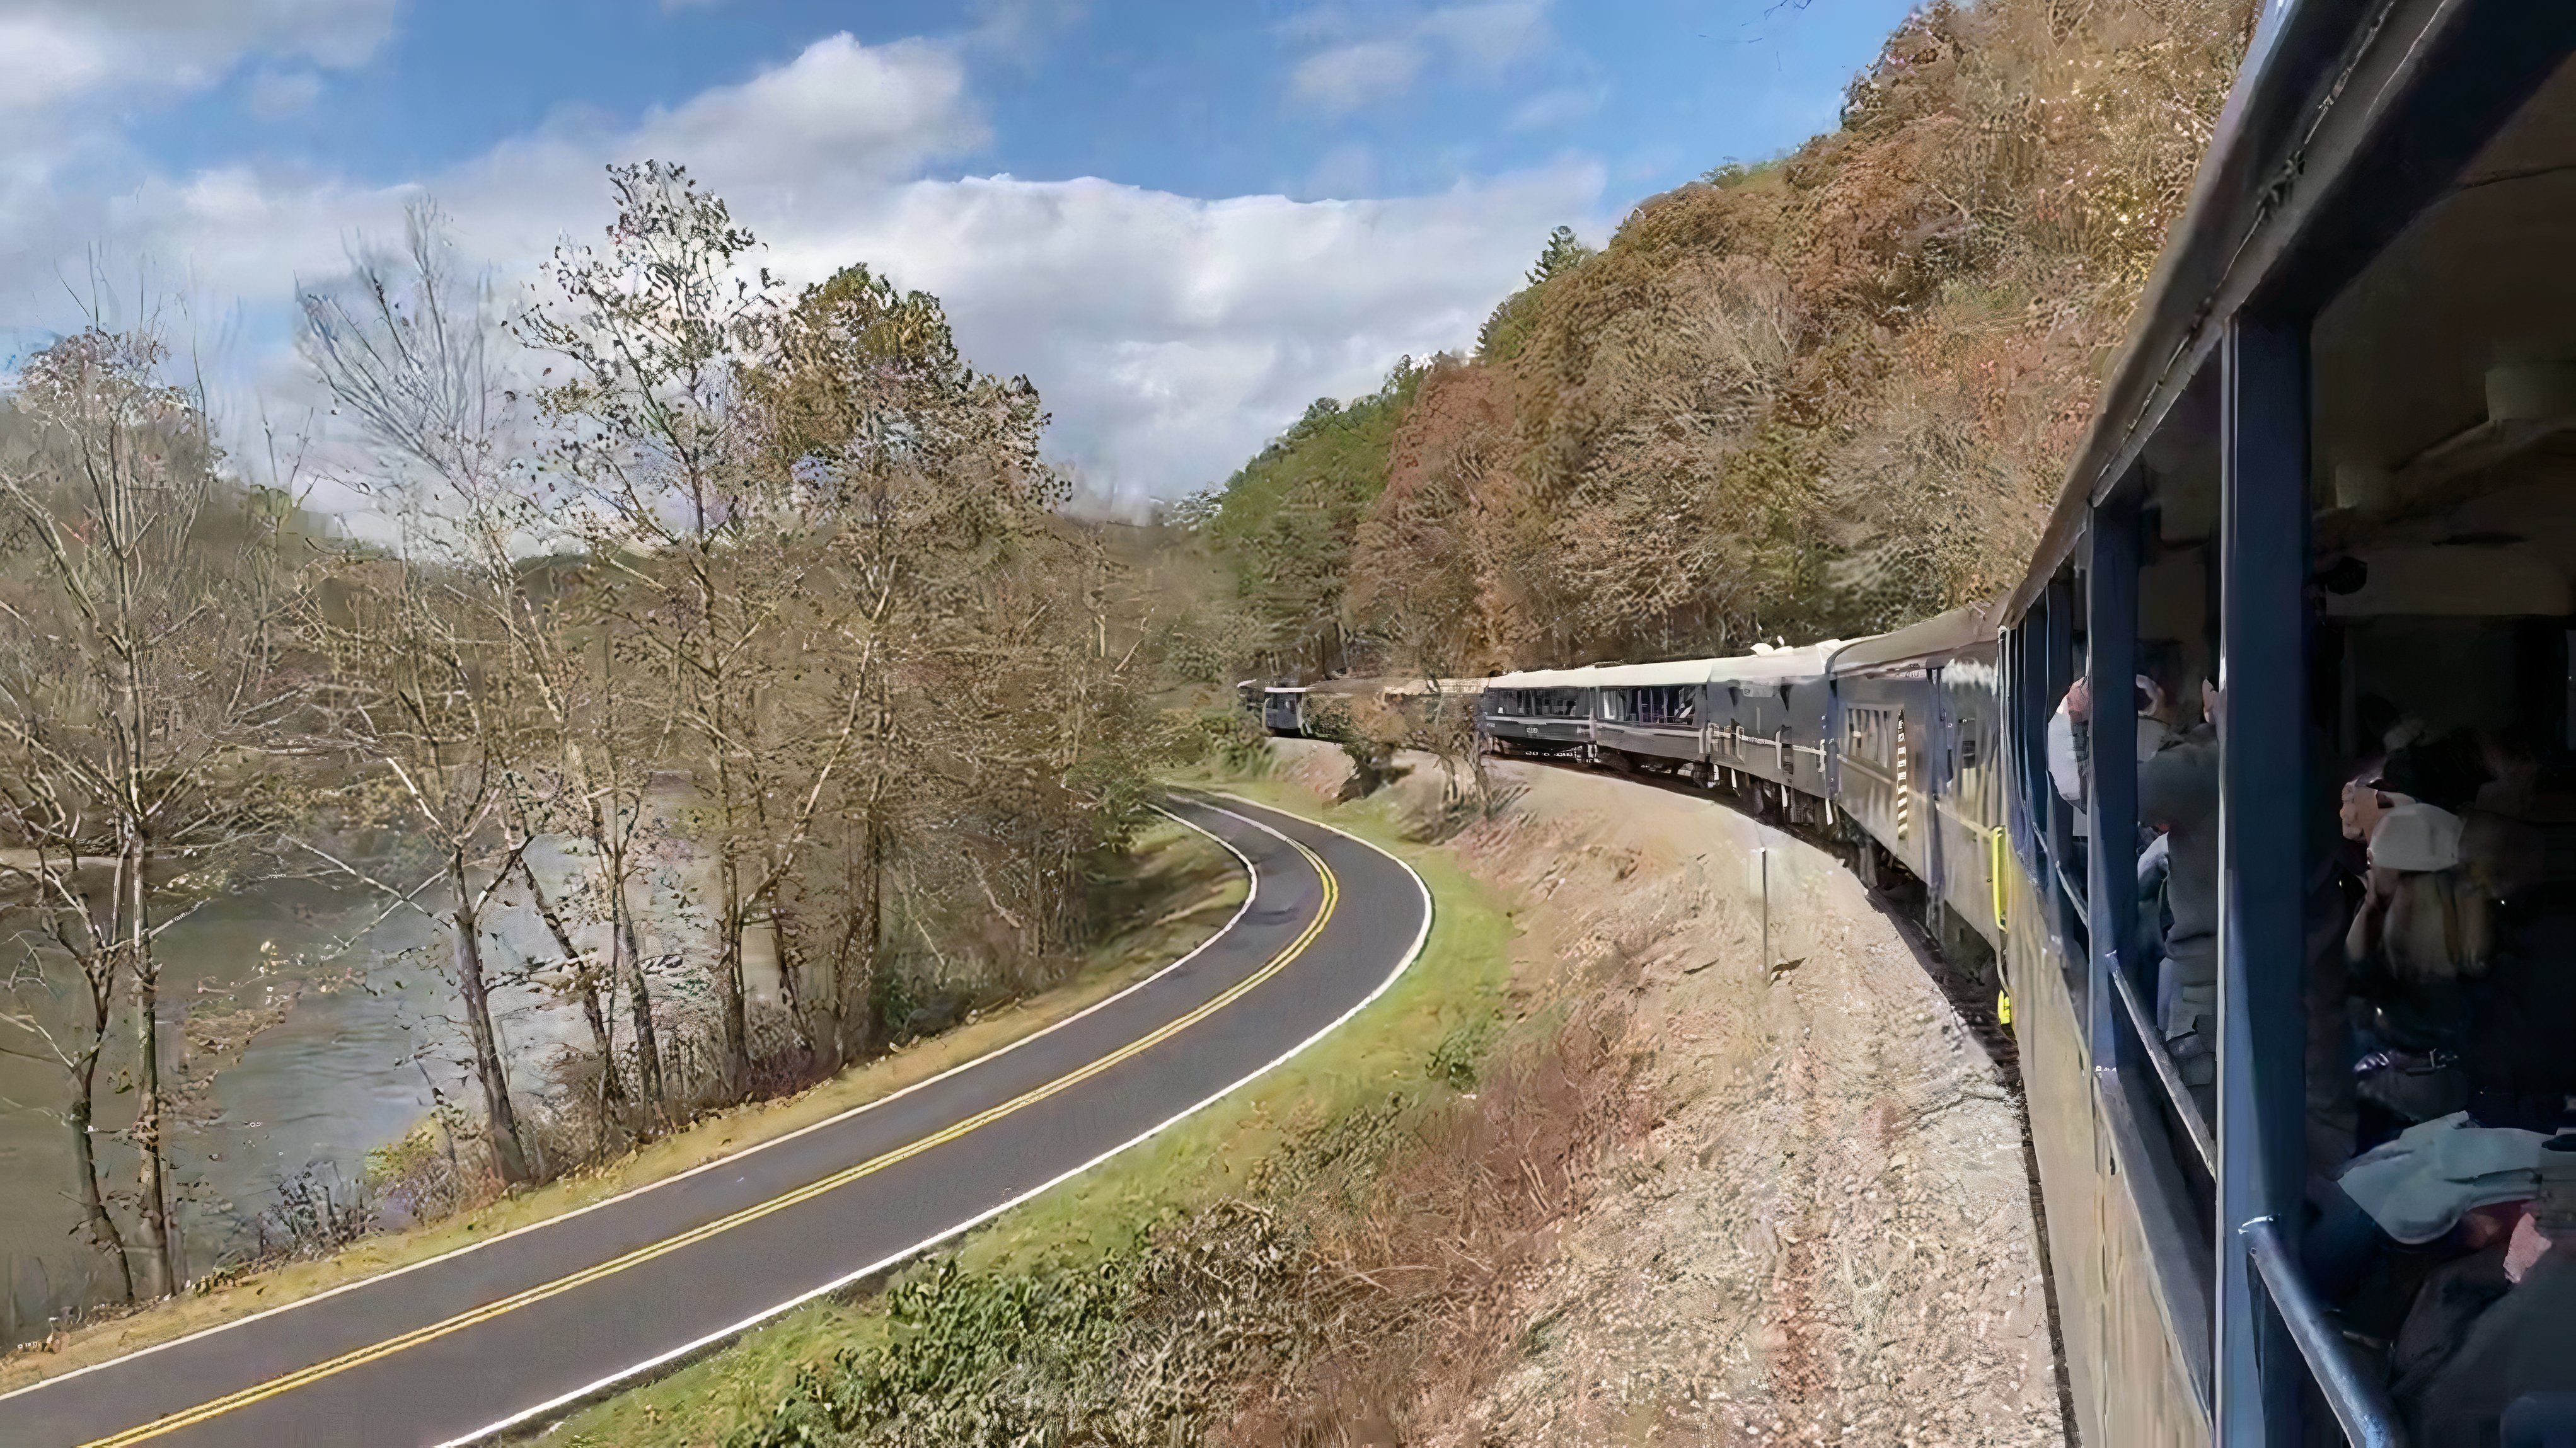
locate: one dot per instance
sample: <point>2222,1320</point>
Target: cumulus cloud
<point>73,195</point>
<point>1366,58</point>
<point>1170,335</point>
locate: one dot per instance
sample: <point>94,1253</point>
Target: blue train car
<point>1917,733</point>
<point>1767,733</point>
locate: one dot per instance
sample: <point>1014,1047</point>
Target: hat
<point>2416,837</point>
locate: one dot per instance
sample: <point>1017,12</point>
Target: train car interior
<point>2301,788</point>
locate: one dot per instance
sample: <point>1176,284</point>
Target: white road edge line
<point>593,1390</point>
<point>1251,894</point>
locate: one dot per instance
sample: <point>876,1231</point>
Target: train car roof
<point>1582,678</point>
<point>1649,676</point>
<point>2318,156</point>
<point>1414,688</point>
<point>1807,661</point>
<point>1931,641</point>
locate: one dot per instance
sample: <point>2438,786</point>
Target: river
<point>347,1070</point>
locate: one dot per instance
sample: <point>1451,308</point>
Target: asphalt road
<point>512,1329</point>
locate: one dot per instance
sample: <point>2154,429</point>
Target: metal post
<point>2262,867</point>
<point>1765,853</point>
<point>2111,794</point>
<point>2056,671</point>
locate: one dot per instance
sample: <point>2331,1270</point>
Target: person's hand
<point>2079,700</point>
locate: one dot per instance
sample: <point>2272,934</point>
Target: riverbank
<point>1177,888</point>
<point>1597,1172</point>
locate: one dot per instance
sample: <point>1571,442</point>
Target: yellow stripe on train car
<point>1995,873</point>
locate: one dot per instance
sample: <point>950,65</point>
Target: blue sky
<point>1182,220</point>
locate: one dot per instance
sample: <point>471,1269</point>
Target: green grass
<point>1175,889</point>
<point>1454,991</point>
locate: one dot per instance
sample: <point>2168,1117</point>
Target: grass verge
<point>1177,889</point>
<point>1372,1069</point>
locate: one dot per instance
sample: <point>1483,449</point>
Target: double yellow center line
<point>360,1357</point>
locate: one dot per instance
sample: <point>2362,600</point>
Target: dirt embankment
<point>1827,1235</point>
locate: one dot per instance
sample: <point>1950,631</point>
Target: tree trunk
<point>94,1217</point>
<point>500,1120</point>
<point>871,935</point>
<point>612,1091</point>
<point>152,1199</point>
<point>791,970</point>
<point>630,948</point>
<point>729,977</point>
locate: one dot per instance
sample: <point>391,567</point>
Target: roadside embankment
<point>1827,1233</point>
<point>1174,889</point>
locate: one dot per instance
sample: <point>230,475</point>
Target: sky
<point>1182,219</point>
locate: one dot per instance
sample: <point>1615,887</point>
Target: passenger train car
<point>2332,476</point>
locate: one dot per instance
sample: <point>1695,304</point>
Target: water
<point>347,1070</point>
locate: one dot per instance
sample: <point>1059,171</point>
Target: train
<point>1885,744</point>
<point>2325,504</point>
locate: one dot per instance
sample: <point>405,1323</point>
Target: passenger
<point>2156,713</point>
<point>2178,798</point>
<point>2424,932</point>
<point>2418,1190</point>
<point>2505,1374</point>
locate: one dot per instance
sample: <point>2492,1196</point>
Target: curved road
<point>514,1330</point>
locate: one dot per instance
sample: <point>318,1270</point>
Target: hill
<point>1826,393</point>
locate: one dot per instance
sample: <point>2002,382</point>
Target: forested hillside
<point>1823,394</point>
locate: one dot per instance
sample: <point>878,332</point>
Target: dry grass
<point>1419,1283</point>
<point>1822,1231</point>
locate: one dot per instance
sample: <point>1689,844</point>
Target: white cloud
<point>1491,36</point>
<point>1351,77</point>
<point>74,198</point>
<point>55,52</point>
<point>282,93</point>
<point>44,62</point>
<point>1170,335</point>
<point>1549,109</point>
<point>840,107</point>
<point>1021,31</point>
<point>1371,57</point>
<point>1349,169</point>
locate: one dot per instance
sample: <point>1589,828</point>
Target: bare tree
<point>655,332</point>
<point>405,346</point>
<point>140,685</point>
<point>424,699</point>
